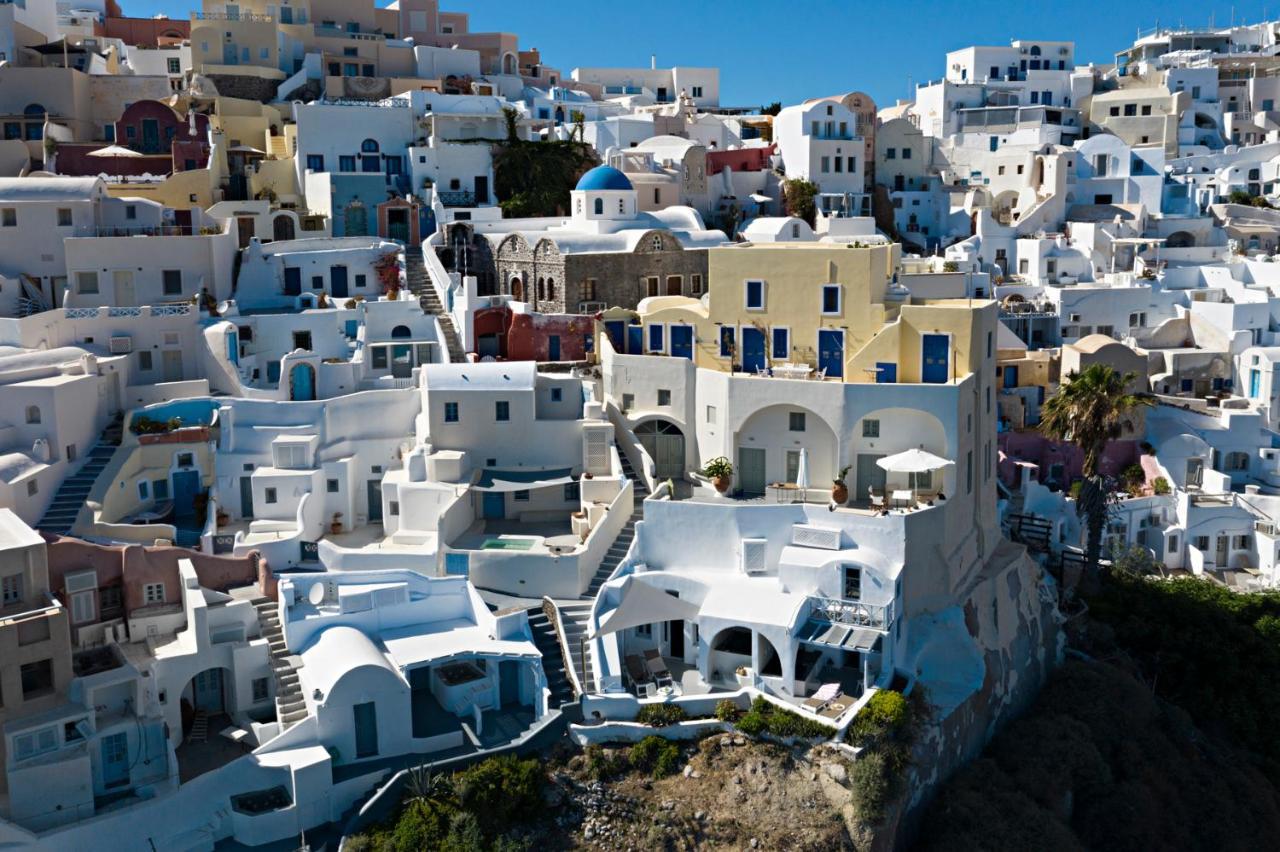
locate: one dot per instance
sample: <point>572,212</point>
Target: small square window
<point>270,495</point>
<point>9,217</point>
<point>556,394</point>
<point>331,486</point>
<point>664,396</point>
<point>795,421</point>
<point>502,411</point>
<point>393,507</point>
<point>64,217</point>
<point>522,496</point>
<point>153,593</point>
<point>870,428</point>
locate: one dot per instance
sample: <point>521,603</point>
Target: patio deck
<point>483,531</point>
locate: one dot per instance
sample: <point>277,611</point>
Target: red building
<point>739,159</point>
<point>505,335</point>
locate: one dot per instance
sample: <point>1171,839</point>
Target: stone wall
<point>241,86</point>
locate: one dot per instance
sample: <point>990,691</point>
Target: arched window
<point>33,414</point>
<point>369,146</point>
<point>34,111</point>
<point>34,129</point>
<point>1035,50</point>
<point>599,206</point>
<point>542,288</point>
<point>551,288</point>
<point>401,331</point>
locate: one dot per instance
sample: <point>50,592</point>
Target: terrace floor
<point>511,535</point>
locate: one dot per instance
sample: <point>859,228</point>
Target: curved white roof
<point>506,375</point>
<point>14,466</point>
<point>338,651</point>
<point>50,188</point>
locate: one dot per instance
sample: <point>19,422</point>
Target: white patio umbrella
<point>802,471</point>
<point>115,152</point>
<point>913,462</point>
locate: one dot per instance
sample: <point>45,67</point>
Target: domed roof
<point>604,177</point>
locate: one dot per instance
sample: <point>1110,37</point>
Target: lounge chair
<point>826,693</point>
<point>637,670</point>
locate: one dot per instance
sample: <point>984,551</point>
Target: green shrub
<point>727,711</point>
<point>601,765</point>
<point>884,715</point>
<point>950,266</point>
<point>656,756</point>
<point>422,825</point>
<point>871,785</point>
<point>504,790</point>
<point>661,715</point>
<point>766,717</point>
<point>1160,485</point>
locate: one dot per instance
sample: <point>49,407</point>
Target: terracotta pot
<point>722,483</point>
<point>839,493</point>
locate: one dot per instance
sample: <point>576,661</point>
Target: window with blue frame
<point>451,412</point>
<point>502,411</point>
<point>726,341</point>
<point>655,337</point>
<point>394,165</point>
<point>346,163</point>
<point>556,394</point>
<point>369,146</point>
<point>781,343</point>
<point>755,295</point>
<point>315,162</point>
<point>831,298</point>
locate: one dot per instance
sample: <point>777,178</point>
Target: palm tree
<point>1091,409</point>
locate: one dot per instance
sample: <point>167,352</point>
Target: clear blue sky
<point>771,50</point>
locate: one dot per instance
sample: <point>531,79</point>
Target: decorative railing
<point>385,102</point>
<point>124,312</point>
<point>456,198</point>
<point>234,16</point>
<point>857,613</point>
<point>81,313</point>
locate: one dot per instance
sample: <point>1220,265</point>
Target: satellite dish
<point>316,594</point>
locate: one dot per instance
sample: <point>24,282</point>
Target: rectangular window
<point>968,473</point>
<point>695,285</point>
<point>826,165</point>
<point>557,394</point>
<point>656,337</point>
<point>572,492</point>
<point>175,66</point>
<point>9,217</point>
<point>160,489</point>
<point>172,282</point>
<point>871,428</point>
<point>727,338</point>
<point>711,414</point>
<point>315,162</point>
<point>755,295</point>
<point>87,284</point>
<point>261,690</point>
<point>64,217</point>
<point>628,402</point>
<point>451,412</point>
<point>502,411</point>
<point>331,486</point>
<point>522,496</point>
<point>153,593</point>
<point>346,163</point>
<point>35,742</point>
<point>270,495</point>
<point>852,583</point>
<point>664,397</point>
<point>781,343</point>
<point>12,586</point>
<point>795,421</point>
<point>830,299</point>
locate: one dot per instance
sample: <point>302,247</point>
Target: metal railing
<point>856,613</point>
<point>256,17</point>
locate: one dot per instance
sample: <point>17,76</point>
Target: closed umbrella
<point>802,472</point>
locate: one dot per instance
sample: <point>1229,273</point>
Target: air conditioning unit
<point>122,345</point>
<point>753,555</point>
<point>809,535</point>
<point>1265,527</point>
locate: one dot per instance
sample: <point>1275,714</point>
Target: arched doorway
<point>282,228</point>
<point>207,694</point>
<point>664,442</point>
<point>302,382</point>
<point>1180,239</point>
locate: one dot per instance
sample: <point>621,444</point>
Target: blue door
<point>186,485</point>
<point>635,339</point>
<point>752,349</point>
<point>338,281</point>
<point>886,373</point>
<point>553,348</point>
<point>495,505</point>
<point>831,351</point>
<point>1010,377</point>
<point>366,725</point>
<point>1255,383</point>
<point>682,341</point>
<point>616,331</point>
<point>233,348</point>
<point>292,281</point>
<point>302,382</point>
<point>935,359</point>
<point>115,760</point>
<point>230,56</point>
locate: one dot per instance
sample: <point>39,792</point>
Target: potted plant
<point>839,489</point>
<point>335,523</point>
<point>223,518</point>
<point>720,471</point>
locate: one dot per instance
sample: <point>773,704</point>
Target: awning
<point>820,632</point>
<point>643,603</point>
<point>522,480</point>
<point>913,461</point>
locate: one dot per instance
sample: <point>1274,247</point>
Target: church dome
<point>604,178</point>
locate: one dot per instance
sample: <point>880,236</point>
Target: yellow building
<point>810,310</point>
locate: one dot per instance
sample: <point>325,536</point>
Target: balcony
<point>854,613</point>
<point>456,198</point>
<point>233,16</point>
<point>32,623</point>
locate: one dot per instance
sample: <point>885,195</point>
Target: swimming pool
<point>509,544</point>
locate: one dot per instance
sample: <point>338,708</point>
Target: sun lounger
<point>637,670</point>
<point>826,693</point>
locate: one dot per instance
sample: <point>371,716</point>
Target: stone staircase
<point>415,273</point>
<point>71,496</point>
<point>622,544</point>
<point>290,706</point>
<point>553,662</point>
